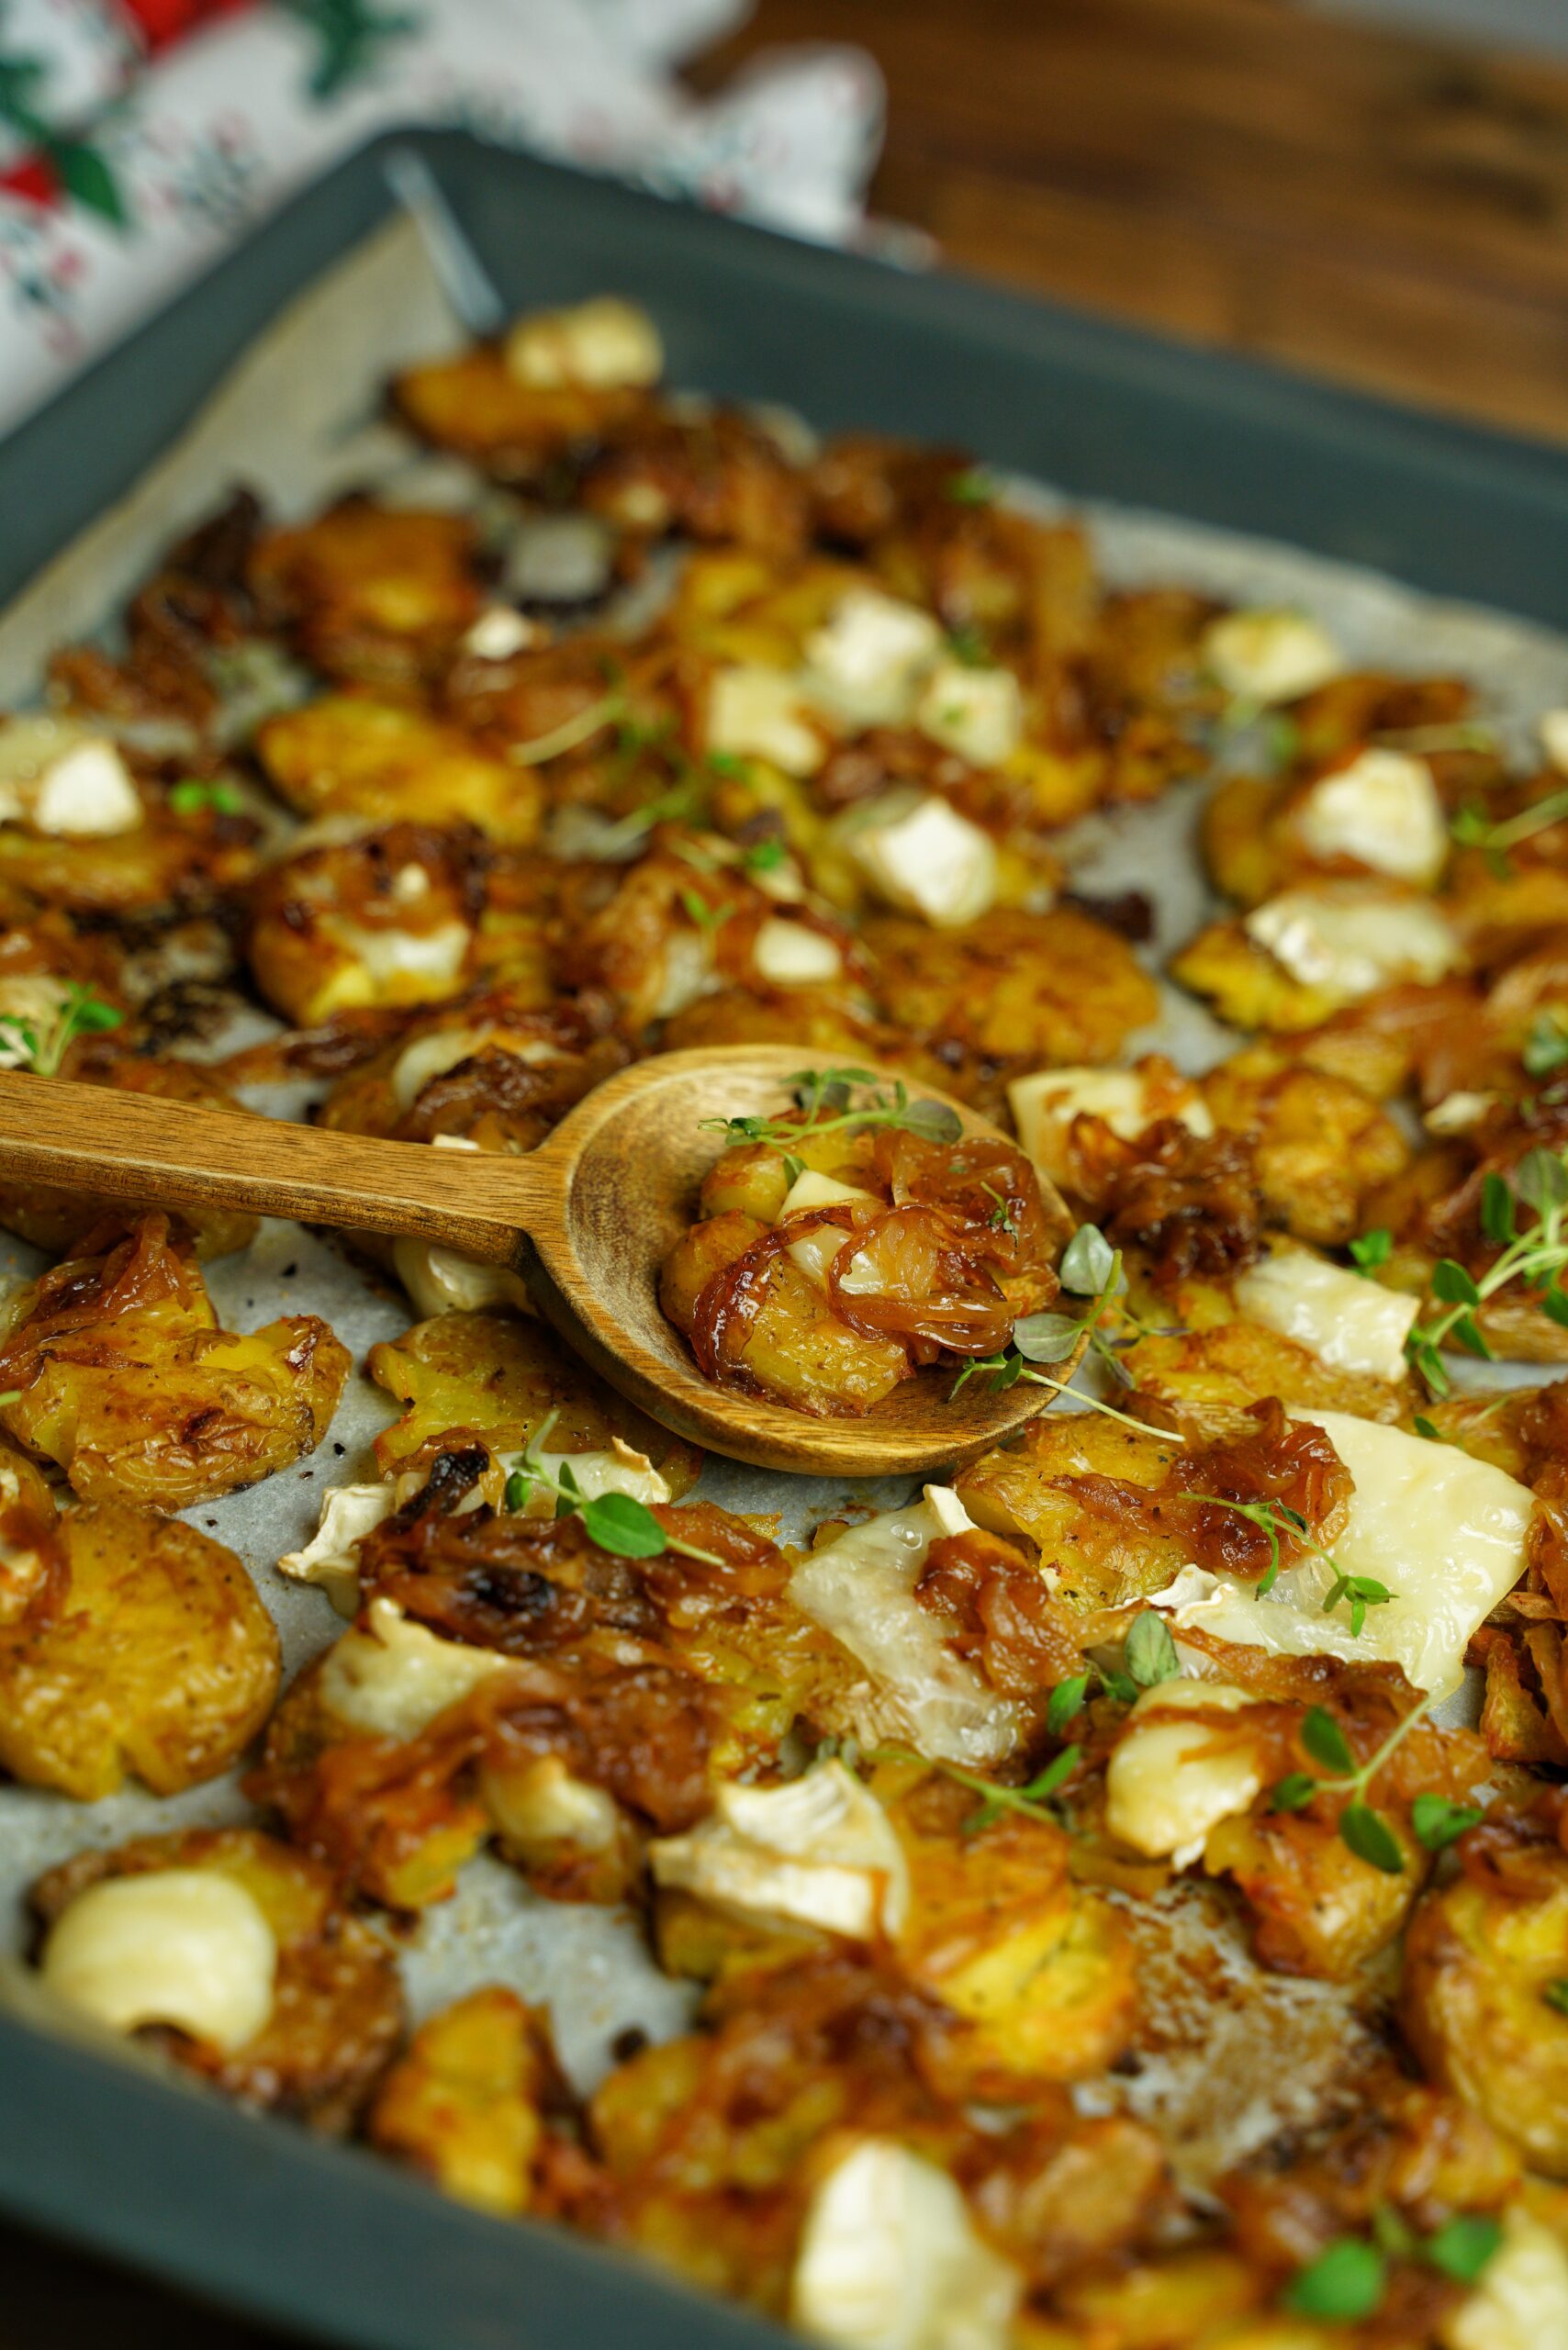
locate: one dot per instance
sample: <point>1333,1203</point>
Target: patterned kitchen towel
<point>138,137</point>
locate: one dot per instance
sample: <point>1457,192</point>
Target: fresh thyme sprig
<point>1149,1657</point>
<point>1537,1257</point>
<point>615,1522</point>
<point>1472,828</point>
<point>1090,1269</point>
<point>1437,1821</point>
<point>1545,1048</point>
<point>41,1046</point>
<point>823,1097</point>
<point>191,795</point>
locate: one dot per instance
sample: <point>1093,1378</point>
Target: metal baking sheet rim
<point>370,2255</point>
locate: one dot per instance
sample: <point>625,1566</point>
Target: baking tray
<point>325,2238</point>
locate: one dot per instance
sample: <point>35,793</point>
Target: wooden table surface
<point>1389,211</point>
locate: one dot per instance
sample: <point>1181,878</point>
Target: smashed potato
<point>336,2009</point>
<point>385,763</point>
<point>123,1377</point>
<point>464,2103</point>
<point>1041,988</point>
<point>144,1650</point>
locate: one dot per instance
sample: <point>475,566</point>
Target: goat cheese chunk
<point>860,1587</point>
<point>1552,728</point>
<point>1269,656</point>
<point>603,345</point>
<point>1383,811</point>
<point>1169,1780</point>
<point>348,1513</point>
<point>1045,1105</point>
<point>384,955</point>
<point>621,1469</point>
<point>432,1055</point>
<point>1347,1322</point>
<point>186,1947</point>
<point>920,856</point>
<point>392,1678</point>
<point>439,1281</point>
<point>978,713</point>
<point>889,2260</point>
<point>793,955</point>
<point>1444,1533</point>
<point>757,713</point>
<point>498,633</point>
<point>815,1251</point>
<point>1351,942</point>
<point>869,660</point>
<point>818,1850</point>
<point>87,794</point>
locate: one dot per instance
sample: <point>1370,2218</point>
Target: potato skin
<point>351,754</point>
<point>464,2103</point>
<point>1046,989</point>
<point>338,2003</point>
<point>492,1378</point>
<point>128,1383</point>
<point>147,1650</point>
<point>1479,1956</point>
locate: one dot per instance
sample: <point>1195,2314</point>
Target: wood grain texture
<point>588,1218</point>
<point>1372,206</point>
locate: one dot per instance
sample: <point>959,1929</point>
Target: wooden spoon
<point>586,1218</point>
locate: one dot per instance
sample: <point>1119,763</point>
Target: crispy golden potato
<point>1479,1956</point>
<point>1040,1970</point>
<point>1053,988</point>
<point>146,1650</point>
<point>1319,1143</point>
<point>390,918</point>
<point>1317,1908</point>
<point>56,1220</point>
<point>799,1351</point>
<point>1208,1379</point>
<point>1246,856</point>
<point>476,407</point>
<point>127,1382</point>
<point>1016,1491</point>
<point>370,594</point>
<point>337,2003</point>
<point>349,755</point>
<point>490,1378</point>
<point>465,2101</point>
<point>1244,985</point>
<point>165,868</point>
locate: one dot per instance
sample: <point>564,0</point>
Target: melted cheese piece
<point>976,712</point>
<point>1445,1533</point>
<point>1552,728</point>
<point>860,1587</point>
<point>1352,941</point>
<point>1383,811</point>
<point>439,1281</point>
<point>687,971</point>
<point>815,1251</point>
<point>393,1678</point>
<point>793,955</point>
<point>498,633</point>
<point>818,1850</point>
<point>186,1947</point>
<point>603,345</point>
<point>756,714</point>
<point>621,1469</point>
<point>869,658</point>
<point>1163,1791</point>
<point>1347,1322</point>
<point>1457,1113</point>
<point>1269,656</point>
<point>1045,1105</point>
<point>379,956</point>
<point>921,856</point>
<point>329,1558</point>
<point>547,1806</point>
<point>889,2260</point>
<point>87,794</point>
<point>1521,2301</point>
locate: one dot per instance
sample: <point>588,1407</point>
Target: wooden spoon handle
<point>133,1145</point>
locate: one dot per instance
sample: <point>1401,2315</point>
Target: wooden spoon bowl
<point>587,1219</point>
